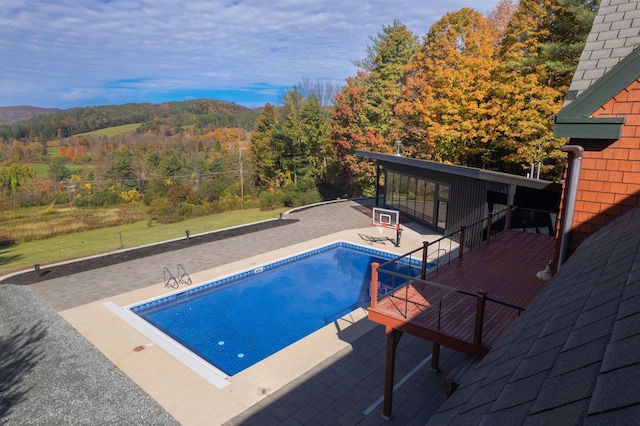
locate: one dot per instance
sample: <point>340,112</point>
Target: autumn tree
<point>364,115</point>
<point>350,129</point>
<point>14,177</point>
<point>500,18</point>
<point>539,51</point>
<point>444,105</point>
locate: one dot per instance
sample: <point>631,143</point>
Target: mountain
<point>58,124</point>
<point>23,112</point>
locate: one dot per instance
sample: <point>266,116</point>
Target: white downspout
<point>570,195</point>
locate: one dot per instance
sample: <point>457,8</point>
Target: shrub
<point>295,196</point>
<point>162,211</point>
<point>181,194</point>
<point>131,196</point>
<point>270,200</point>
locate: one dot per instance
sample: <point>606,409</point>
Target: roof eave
<point>468,172</point>
<point>605,128</point>
<point>576,119</point>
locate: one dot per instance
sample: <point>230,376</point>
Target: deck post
<point>477,334</point>
<point>435,357</point>
<point>509,215</point>
<point>425,247</point>
<point>489,220</point>
<point>393,338</point>
<point>377,182</point>
<point>374,284</point>
<point>461,248</point>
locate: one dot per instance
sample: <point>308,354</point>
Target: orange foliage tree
<point>350,130</point>
<point>444,106</point>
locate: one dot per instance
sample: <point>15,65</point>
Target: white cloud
<point>69,53</point>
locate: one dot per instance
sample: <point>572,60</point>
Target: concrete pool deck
<point>333,376</point>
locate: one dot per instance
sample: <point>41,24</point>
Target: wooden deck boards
<point>505,268</point>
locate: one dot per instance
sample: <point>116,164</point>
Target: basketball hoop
<point>385,218</point>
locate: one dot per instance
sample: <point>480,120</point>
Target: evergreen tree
<point>263,153</point>
<point>315,130</point>
<point>364,113</point>
<point>386,64</point>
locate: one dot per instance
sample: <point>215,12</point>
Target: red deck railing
<point>466,314</point>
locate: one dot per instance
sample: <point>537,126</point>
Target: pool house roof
<point>455,170</point>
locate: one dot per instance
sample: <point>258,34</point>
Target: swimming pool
<point>237,321</point>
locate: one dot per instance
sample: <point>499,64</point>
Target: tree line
<point>64,124</point>
<point>475,90</point>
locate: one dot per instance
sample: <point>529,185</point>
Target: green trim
<point>590,128</point>
<point>575,120</point>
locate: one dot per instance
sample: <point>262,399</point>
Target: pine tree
<point>263,153</point>
<point>386,63</point>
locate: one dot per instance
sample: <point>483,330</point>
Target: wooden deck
<point>505,268</point>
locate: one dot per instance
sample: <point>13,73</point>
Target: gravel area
<point>51,375</point>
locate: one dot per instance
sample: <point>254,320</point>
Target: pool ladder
<point>170,281</point>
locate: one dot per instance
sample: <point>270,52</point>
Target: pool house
<point>445,197</point>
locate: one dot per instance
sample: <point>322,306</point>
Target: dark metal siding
<point>467,196</point>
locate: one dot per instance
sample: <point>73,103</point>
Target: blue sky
<point>69,53</point>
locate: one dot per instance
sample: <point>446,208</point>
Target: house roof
<point>453,169</point>
<point>609,62</point>
<point>572,357</point>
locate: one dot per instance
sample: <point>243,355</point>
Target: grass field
<point>86,243</point>
<point>112,131</point>
<point>42,170</point>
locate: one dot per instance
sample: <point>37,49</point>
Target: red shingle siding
<point>610,177</point>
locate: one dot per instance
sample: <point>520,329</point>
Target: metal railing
<point>442,252</point>
<point>438,293</point>
<point>170,281</point>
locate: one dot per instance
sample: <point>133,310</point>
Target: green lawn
<point>42,170</point>
<point>112,131</point>
<point>87,243</point>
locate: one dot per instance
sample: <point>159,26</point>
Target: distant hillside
<point>23,112</point>
<point>65,123</point>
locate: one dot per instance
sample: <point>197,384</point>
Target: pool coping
<point>186,395</point>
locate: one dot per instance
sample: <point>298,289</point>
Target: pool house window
<point>420,198</point>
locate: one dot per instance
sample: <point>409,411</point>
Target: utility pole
<point>241,172</point>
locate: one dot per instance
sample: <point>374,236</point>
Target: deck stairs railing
<point>170,281</point>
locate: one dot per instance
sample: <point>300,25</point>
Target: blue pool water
<point>236,322</point>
